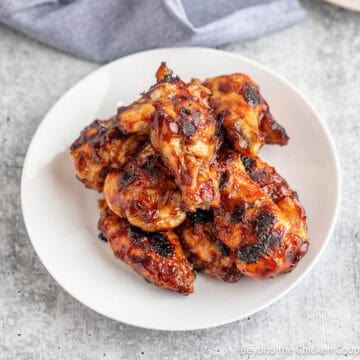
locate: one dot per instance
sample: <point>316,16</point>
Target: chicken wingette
<point>244,114</point>
<point>267,178</point>
<point>264,238</point>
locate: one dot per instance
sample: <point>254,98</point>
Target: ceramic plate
<point>348,4</point>
<point>61,215</point>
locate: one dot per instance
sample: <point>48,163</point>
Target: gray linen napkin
<point>103,30</point>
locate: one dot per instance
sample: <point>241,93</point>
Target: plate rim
<point>227,320</point>
<point>345,5</point>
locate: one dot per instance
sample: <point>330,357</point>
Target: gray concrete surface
<point>39,320</point>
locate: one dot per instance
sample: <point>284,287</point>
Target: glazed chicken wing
<point>205,252</point>
<point>266,177</point>
<point>262,238</point>
<point>184,133</point>
<point>101,146</point>
<point>244,113</point>
<point>183,130</point>
<point>145,193</point>
<point>156,256</point>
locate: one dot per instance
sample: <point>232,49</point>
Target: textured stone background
<point>38,320</point>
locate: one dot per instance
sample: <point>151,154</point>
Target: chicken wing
<point>145,193</point>
<point>262,238</point>
<point>244,113</point>
<point>184,133</point>
<point>156,256</point>
<point>183,130</point>
<point>101,146</point>
<point>266,177</point>
<point>204,251</point>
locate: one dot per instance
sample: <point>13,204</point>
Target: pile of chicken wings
<point>184,189</point>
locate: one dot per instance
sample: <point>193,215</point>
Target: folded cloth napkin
<point>102,30</point>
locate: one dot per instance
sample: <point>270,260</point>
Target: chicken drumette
<point>244,113</point>
<point>145,193</point>
<point>157,256</point>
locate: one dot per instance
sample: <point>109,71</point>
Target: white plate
<point>61,215</point>
<point>348,4</point>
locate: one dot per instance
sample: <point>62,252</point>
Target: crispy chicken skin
<point>184,133</point>
<point>244,113</point>
<point>144,192</point>
<point>101,146</point>
<point>204,251</point>
<point>262,239</point>
<point>156,256</point>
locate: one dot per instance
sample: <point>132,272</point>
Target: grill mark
<point>224,249</point>
<point>157,241</point>
<point>220,131</point>
<point>189,121</point>
<point>237,214</point>
<point>102,237</point>
<point>263,223</point>
<point>252,95</point>
<point>265,238</point>
<point>249,163</point>
<point>160,243</point>
<point>224,178</point>
<point>201,217</point>
<point>126,178</point>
